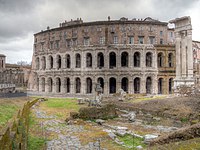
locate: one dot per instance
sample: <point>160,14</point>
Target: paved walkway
<point>66,139</point>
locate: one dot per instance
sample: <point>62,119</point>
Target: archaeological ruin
<point>138,56</point>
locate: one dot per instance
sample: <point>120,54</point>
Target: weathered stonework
<point>184,52</point>
<point>69,60</point>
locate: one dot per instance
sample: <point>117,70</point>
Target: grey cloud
<point>20,18</point>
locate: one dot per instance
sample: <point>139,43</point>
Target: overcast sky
<point>20,19</point>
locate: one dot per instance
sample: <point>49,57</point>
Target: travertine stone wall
<point>123,38</point>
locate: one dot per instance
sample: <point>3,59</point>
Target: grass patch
<point>7,111</point>
<point>60,107</point>
<point>36,143</point>
<point>62,103</point>
<point>130,141</point>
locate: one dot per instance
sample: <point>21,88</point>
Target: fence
<point>15,135</point>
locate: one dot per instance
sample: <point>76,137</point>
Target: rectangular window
<point>150,28</point>
<point>131,40</point>
<point>68,43</point>
<point>171,34</point>
<point>86,41</point>
<point>99,29</point>
<point>74,42</point>
<point>65,35</point>
<point>115,40</point>
<point>74,33</point>
<point>112,29</point>
<point>151,40</point>
<point>161,41</point>
<point>161,33</point>
<point>102,40</point>
<point>42,46</point>
<point>86,30</point>
<point>57,44</point>
<point>51,45</point>
<point>140,40</point>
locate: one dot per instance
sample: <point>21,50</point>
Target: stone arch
<point>43,84</point>
<point>37,63</point>
<point>67,85</point>
<point>112,85</point>
<point>160,60</point>
<point>136,85</point>
<point>124,84</point>
<point>149,59</point>
<point>58,61</point>
<point>100,80</point>
<point>170,59</point>
<point>136,59</point>
<point>148,85</point>
<point>112,60</point>
<point>50,84</point>
<point>43,61</point>
<point>78,85</point>
<point>67,61</point>
<point>89,60</point>
<point>78,60</point>
<point>88,85</point>
<point>100,60</point>
<point>50,62</point>
<point>58,85</point>
<point>124,59</point>
<point>170,85</point>
<point>160,86</point>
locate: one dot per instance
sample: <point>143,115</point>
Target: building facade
<point>13,74</point>
<point>135,55</point>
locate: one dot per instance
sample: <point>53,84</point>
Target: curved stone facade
<point>71,59</point>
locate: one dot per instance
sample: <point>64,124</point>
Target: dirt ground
<point>179,111</point>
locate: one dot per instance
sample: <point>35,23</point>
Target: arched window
<point>67,85</point>
<point>149,59</point>
<point>160,60</point>
<point>100,60</point>
<point>112,60</point>
<point>67,61</point>
<point>78,85</point>
<point>50,62</point>
<point>88,85</point>
<point>124,59</point>
<point>170,85</point>
<point>58,85</point>
<point>101,82</point>
<point>50,84</point>
<point>43,84</point>
<point>160,86</point>
<point>88,60</point>
<point>58,61</point>
<point>78,61</point>
<point>137,85</point>
<point>148,85</point>
<point>112,85</point>
<point>124,84</point>
<point>170,60</point>
<point>136,59</point>
<point>37,63</point>
<point>43,60</point>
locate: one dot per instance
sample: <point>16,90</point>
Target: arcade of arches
<point>87,86</point>
<point>150,71</point>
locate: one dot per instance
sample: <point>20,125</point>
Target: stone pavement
<point>66,139</point>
